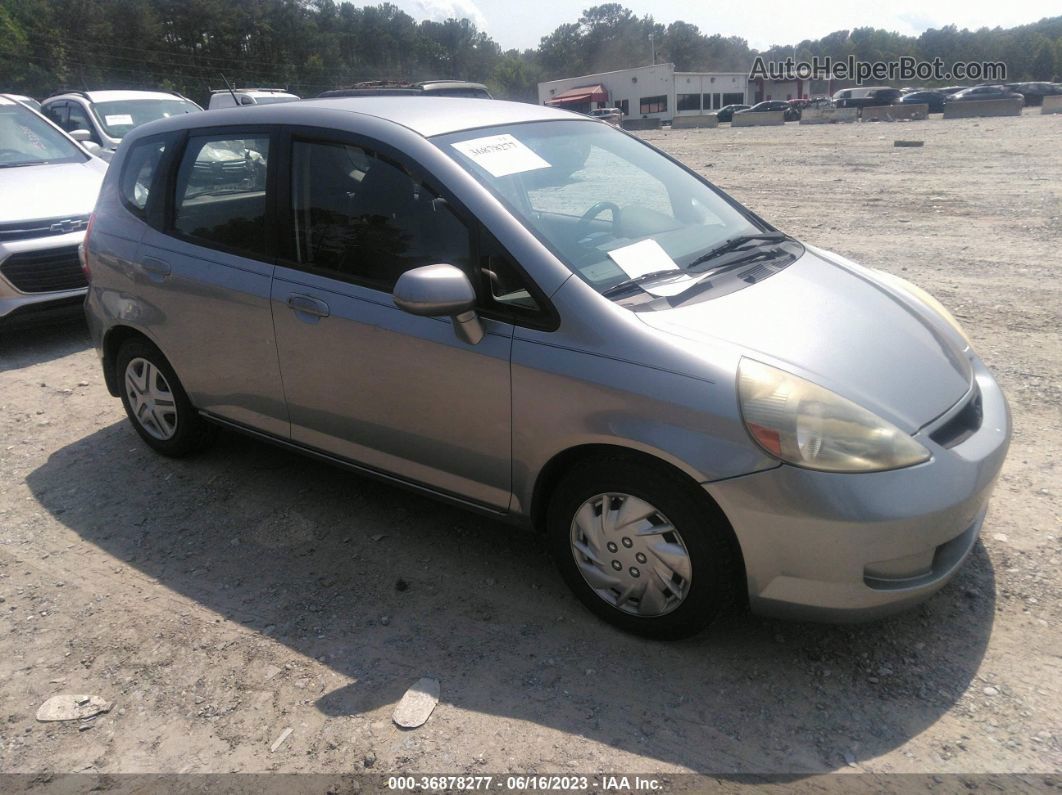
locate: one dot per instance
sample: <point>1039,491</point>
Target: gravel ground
<point>218,601</point>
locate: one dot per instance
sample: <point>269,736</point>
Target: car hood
<point>30,193</point>
<point>837,326</point>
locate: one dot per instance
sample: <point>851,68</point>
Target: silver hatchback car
<point>541,317</point>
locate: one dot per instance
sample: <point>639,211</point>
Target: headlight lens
<point>809,426</point>
<point>919,294</point>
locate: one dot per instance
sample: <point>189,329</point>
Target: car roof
<point>116,95</point>
<point>426,116</point>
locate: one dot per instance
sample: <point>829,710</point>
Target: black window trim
<point>544,319</point>
<point>269,131</point>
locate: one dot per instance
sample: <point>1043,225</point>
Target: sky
<point>520,25</point>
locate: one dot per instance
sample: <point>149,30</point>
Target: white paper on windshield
<point>501,155</point>
<point>118,120</point>
<point>648,256</point>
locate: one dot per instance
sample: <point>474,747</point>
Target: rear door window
<point>220,193</point>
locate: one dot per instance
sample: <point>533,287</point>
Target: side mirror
<point>437,291</point>
<point>81,135</point>
<point>92,148</point>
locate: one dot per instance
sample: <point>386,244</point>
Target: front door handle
<point>308,305</point>
<point>155,267</point>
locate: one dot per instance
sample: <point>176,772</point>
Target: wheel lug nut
<point>627,542</point>
<point>635,572</point>
<point>612,546</point>
<point>640,557</point>
<point>617,565</point>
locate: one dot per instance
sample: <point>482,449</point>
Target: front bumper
<point>851,547</point>
<point>22,298</point>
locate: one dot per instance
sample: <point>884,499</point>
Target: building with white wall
<point>648,91</point>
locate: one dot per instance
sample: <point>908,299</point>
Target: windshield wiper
<point>645,277</point>
<point>25,163</point>
<point>735,243</point>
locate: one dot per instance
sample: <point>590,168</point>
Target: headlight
<point>919,294</point>
<point>809,426</point>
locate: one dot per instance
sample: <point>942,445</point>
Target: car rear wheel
<point>641,547</point>
<point>157,404</point>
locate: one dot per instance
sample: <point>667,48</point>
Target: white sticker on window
<point>118,120</point>
<point>501,155</point>
<point>648,256</point>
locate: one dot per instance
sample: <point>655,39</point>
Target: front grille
<point>963,425</point>
<point>27,230</point>
<point>44,271</point>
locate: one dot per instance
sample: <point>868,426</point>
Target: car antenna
<point>228,85</point>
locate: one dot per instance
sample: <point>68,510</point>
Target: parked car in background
<point>29,102</point>
<point>230,98</point>
<point>863,96</point>
<point>984,92</point>
<point>726,113</point>
<point>428,88</point>
<point>934,99</point>
<point>103,118</point>
<point>612,115</point>
<point>1034,93</point>
<point>48,187</point>
<point>949,90</point>
<point>770,105</point>
<point>590,358</point>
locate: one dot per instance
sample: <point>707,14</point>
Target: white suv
<point>104,117</point>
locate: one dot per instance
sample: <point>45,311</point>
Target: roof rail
<point>69,91</point>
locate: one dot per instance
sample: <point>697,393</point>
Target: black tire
<point>192,433</point>
<point>717,573</point>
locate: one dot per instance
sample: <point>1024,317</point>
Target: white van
<point>225,98</point>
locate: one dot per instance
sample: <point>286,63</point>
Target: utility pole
<point>652,46</point>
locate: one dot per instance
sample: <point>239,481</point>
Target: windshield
<point>613,209</point>
<point>26,139</point>
<point>118,118</point>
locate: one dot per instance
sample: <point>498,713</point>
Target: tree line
<point>309,46</point>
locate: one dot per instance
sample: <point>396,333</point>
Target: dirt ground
<point>220,600</point>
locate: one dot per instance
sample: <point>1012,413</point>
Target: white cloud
<point>442,10</point>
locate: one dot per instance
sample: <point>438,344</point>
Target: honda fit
<point>540,317</point>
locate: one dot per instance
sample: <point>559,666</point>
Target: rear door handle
<point>308,305</point>
<point>155,267</point>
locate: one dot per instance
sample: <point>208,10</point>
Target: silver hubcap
<point>151,399</point>
<point>631,555</point>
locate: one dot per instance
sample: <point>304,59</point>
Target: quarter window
<point>653,104</point>
<point>138,172</point>
<point>362,216</point>
<point>221,193</point>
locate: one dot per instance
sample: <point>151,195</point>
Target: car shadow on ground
<point>312,556</point>
<point>22,346</point>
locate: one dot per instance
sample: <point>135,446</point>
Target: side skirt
<point>361,469</point>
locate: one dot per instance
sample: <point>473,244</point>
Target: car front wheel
<point>642,548</point>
